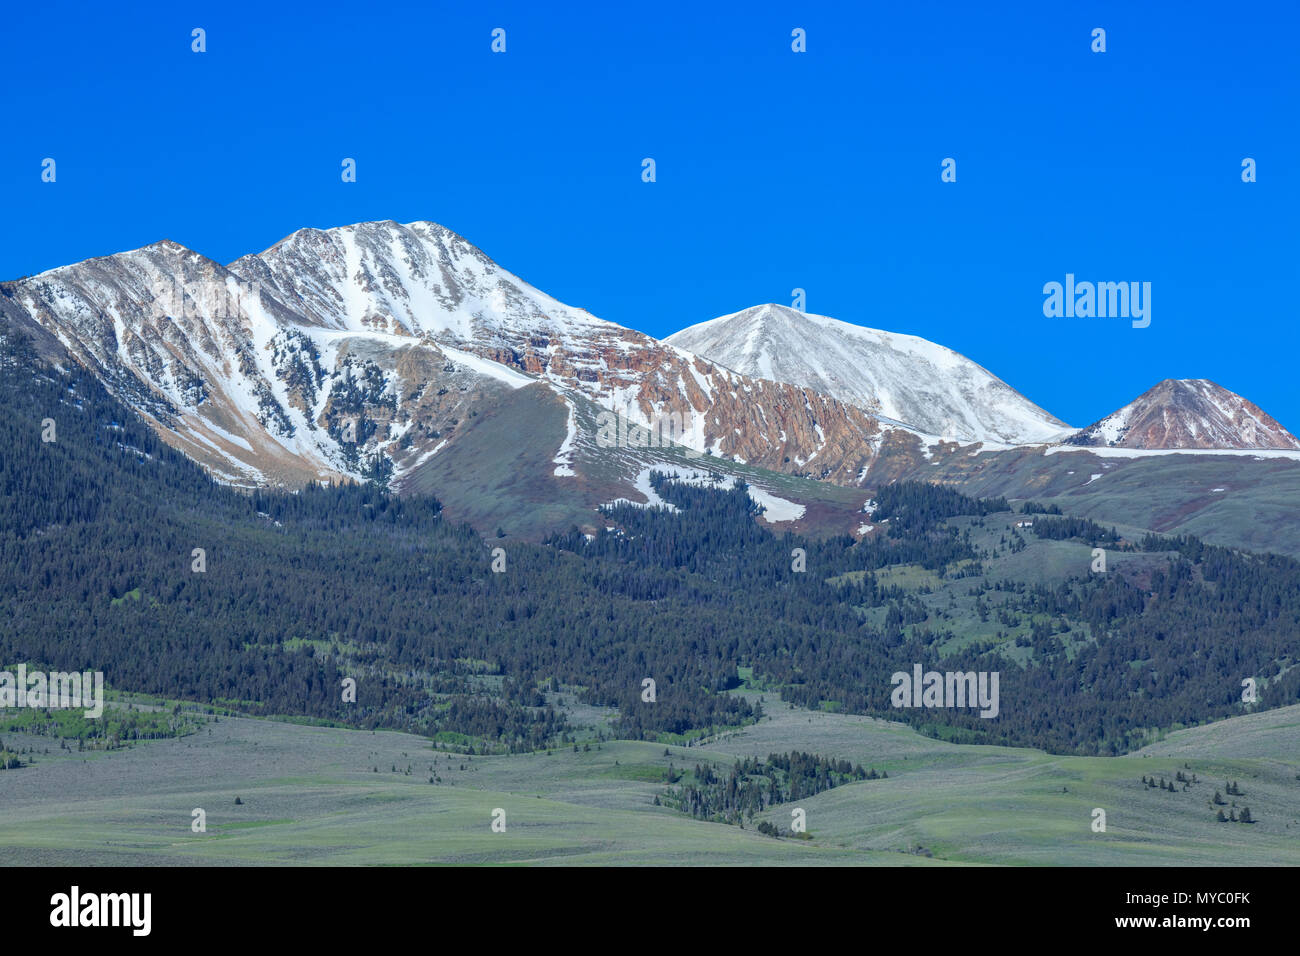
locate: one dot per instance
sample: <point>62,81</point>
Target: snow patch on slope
<point>563,459</point>
<point>777,509</point>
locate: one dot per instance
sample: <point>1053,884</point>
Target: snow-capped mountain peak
<point>903,378</point>
<point>1187,413</point>
<point>418,279</point>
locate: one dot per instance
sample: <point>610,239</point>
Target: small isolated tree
<point>1245,815</point>
<point>1221,818</point>
<point>238,802</point>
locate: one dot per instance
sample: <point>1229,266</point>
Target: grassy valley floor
<point>320,795</point>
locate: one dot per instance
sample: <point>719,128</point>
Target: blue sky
<point>775,170</point>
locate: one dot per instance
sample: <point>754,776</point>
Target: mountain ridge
<point>365,351</point>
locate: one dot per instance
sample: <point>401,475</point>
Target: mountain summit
<point>363,351</point>
<point>1187,413</point>
<point>900,377</point>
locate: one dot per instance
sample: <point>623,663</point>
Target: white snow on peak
<point>906,378</point>
<point>1188,413</point>
<point>417,279</point>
